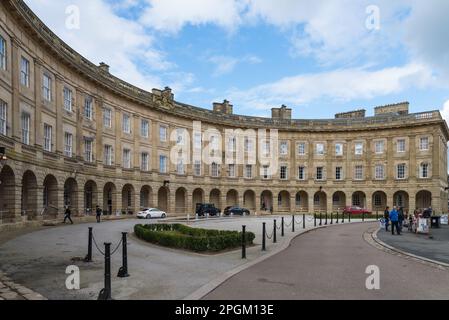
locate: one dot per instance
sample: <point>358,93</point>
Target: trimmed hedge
<point>184,237</point>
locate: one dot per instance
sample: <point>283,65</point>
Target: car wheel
<point>148,216</point>
<point>163,216</point>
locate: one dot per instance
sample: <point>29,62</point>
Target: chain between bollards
<point>88,258</point>
<point>123,271</point>
<point>105,293</point>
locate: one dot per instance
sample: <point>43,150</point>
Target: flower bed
<point>194,239</point>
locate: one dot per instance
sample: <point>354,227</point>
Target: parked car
<point>356,210</point>
<point>151,213</point>
<point>209,208</point>
<point>235,210</point>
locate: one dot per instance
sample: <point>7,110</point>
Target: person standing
<point>401,217</point>
<point>98,214</point>
<point>387,218</point>
<point>67,215</point>
<point>394,218</point>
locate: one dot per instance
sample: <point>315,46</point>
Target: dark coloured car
<point>236,211</point>
<point>207,208</point>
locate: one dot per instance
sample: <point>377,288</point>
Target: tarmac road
<point>330,263</point>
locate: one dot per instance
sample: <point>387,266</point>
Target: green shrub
<point>184,237</point>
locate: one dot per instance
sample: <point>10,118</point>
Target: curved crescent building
<point>76,135</point>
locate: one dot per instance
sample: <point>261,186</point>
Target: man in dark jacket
<point>67,215</point>
<point>98,214</point>
<point>387,218</point>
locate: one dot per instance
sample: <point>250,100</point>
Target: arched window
<point>298,199</point>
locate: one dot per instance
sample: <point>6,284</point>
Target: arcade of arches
<point>34,195</point>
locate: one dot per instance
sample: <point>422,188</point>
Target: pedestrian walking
<point>67,215</point>
<point>98,213</point>
<point>394,218</point>
<point>387,217</point>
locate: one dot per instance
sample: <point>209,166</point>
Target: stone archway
<point>232,198</point>
<point>249,200</point>
<point>401,199</point>
<point>90,197</point>
<point>215,198</point>
<point>29,195</point>
<point>284,201</point>
<point>162,198</point>
<point>379,201</point>
<point>423,200</point>
<point>338,201</point>
<point>71,195</point>
<point>146,200</point>
<point>109,198</point>
<point>266,201</point>
<point>197,197</point>
<point>50,197</point>
<point>181,200</point>
<point>359,199</point>
<point>128,199</point>
<point>302,201</point>
<point>7,194</point>
<point>320,202</point>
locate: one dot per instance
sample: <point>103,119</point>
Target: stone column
<point>59,133</point>
<point>292,202</point>
<point>15,130</point>
<point>38,72</point>
<point>99,133</point>
<point>311,202</point>
<point>329,204</point>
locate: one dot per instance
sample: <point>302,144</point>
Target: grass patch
<point>180,236</point>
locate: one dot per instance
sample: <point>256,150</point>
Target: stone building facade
<point>76,135</point>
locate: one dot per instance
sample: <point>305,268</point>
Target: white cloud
<point>339,85</point>
<point>173,15</point>
<point>105,37</point>
<point>445,111</point>
<point>226,64</point>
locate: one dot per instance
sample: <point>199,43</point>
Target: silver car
<point>150,213</point>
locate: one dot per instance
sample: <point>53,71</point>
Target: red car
<point>355,210</point>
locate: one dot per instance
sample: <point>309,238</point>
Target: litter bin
<point>435,222</point>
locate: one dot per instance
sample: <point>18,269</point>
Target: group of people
<point>396,216</point>
<point>68,213</point>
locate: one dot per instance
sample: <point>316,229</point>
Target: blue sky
<point>319,58</point>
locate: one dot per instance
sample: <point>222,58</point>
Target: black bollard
<point>314,219</point>
<point>363,217</point>
<point>293,223</point>
<point>243,242</point>
<point>377,215</point>
<point>321,219</point>
<point>105,293</point>
<point>343,217</point>
<point>337,217</point>
<point>264,248</point>
<point>274,232</point>
<point>123,271</point>
<point>332,218</point>
<point>303,220</point>
<point>349,215</point>
<point>282,227</point>
<point>325,221</point>
<point>88,258</point>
